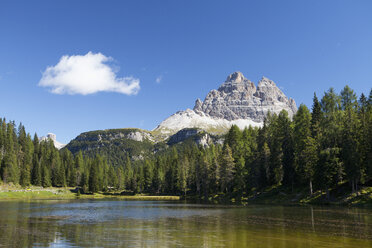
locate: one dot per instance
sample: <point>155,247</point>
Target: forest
<point>317,149</point>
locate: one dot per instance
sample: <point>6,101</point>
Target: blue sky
<point>192,46</point>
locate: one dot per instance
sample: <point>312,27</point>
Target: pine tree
<point>128,172</point>
<point>94,184</point>
<point>113,178</point>
<point>79,165</point>
<point>182,175</point>
<point>350,143</point>
<point>331,121</point>
<point>368,138</point>
<point>148,172</point>
<point>239,177</point>
<point>260,171</point>
<point>234,140</point>
<point>316,117</point>
<point>9,168</point>
<point>45,174</point>
<point>28,150</point>
<point>329,170</point>
<point>36,177</point>
<point>307,160</point>
<point>227,169</point>
<point>214,169</point>
<point>305,146</point>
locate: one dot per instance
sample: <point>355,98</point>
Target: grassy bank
<point>340,195</point>
<point>12,192</point>
<point>280,195</point>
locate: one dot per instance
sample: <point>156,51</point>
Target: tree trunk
<point>356,186</point>
<point>311,187</point>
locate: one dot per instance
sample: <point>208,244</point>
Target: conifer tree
<point>305,146</point>
<point>36,172</point>
<point>350,144</point>
<point>182,175</point>
<point>316,117</point>
<point>227,169</point>
<point>94,184</point>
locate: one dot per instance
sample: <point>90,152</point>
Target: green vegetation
<point>323,155</point>
<point>12,192</point>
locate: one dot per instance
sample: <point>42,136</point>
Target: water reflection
<point>97,223</point>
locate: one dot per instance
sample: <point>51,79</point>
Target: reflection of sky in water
<point>101,211</point>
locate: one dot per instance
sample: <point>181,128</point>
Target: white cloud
<point>158,79</point>
<point>87,74</point>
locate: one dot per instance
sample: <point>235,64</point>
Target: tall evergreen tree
<point>305,146</point>
<point>227,169</point>
<point>316,118</point>
<point>350,143</point>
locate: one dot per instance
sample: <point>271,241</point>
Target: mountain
<point>53,137</point>
<point>237,101</point>
<point>117,144</point>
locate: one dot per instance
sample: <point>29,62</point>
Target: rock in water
<point>237,101</point>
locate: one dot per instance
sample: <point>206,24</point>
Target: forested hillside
<point>318,149</point>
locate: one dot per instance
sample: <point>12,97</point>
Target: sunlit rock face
<point>237,101</point>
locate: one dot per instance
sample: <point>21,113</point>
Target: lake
<point>113,223</point>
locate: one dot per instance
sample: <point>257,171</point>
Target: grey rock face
<point>238,98</point>
<point>183,135</point>
<point>109,135</point>
<point>198,135</point>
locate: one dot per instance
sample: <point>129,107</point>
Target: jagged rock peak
<point>237,101</point>
<point>235,77</point>
<point>266,82</point>
<point>198,105</point>
<point>238,98</point>
<point>236,82</point>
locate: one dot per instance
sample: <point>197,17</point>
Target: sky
<point>69,67</point>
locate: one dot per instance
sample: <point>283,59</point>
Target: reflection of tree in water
<point>24,232</point>
<point>23,226</point>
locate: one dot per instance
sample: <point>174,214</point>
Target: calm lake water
<point>111,223</point>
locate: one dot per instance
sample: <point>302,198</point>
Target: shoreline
<point>272,196</point>
<point>11,192</point>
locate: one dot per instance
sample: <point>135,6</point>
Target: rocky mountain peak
<point>265,82</point>
<point>198,105</point>
<point>237,101</point>
<point>237,82</point>
<point>235,77</point>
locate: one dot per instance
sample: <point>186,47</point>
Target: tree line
<point>318,149</point>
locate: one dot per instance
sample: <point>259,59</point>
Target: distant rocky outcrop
<point>53,137</point>
<point>114,134</point>
<point>199,136</point>
<point>237,101</point>
<point>132,140</point>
